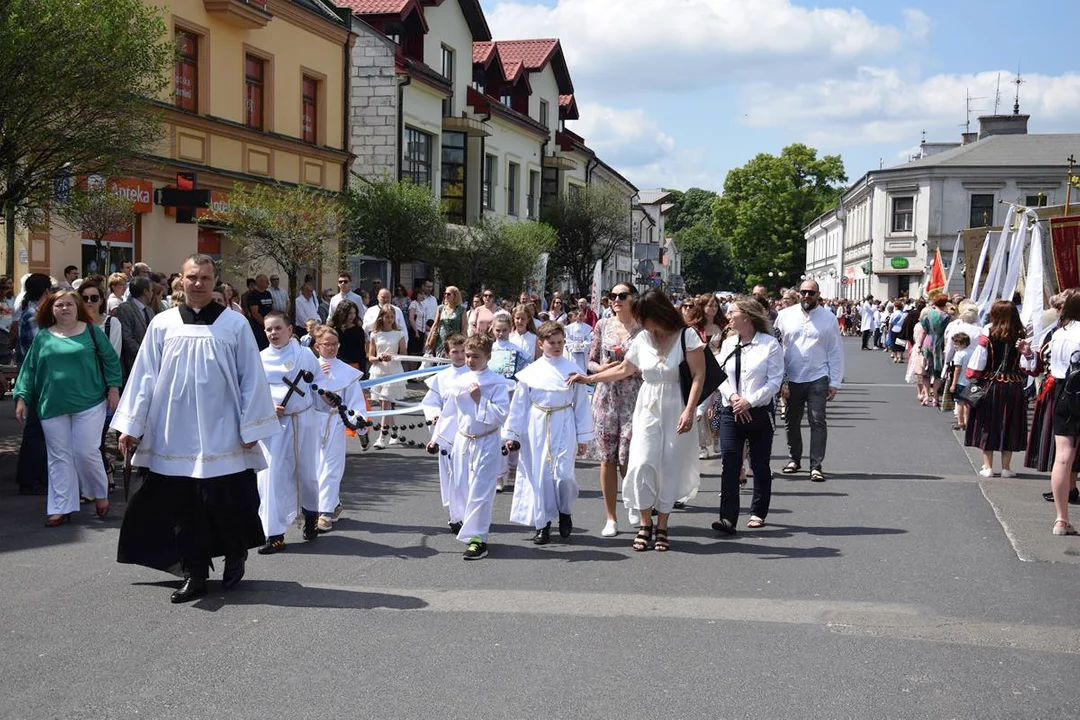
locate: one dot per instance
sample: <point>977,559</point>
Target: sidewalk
<point>1017,502</point>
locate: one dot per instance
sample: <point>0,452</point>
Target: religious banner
<point>1065,243</point>
<point>597,286</point>
<point>936,283</point>
<point>974,240</point>
<point>539,276</point>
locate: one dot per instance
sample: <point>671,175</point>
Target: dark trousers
<point>866,339</point>
<point>31,470</point>
<point>733,437</point>
<point>802,396</point>
<point>877,338</point>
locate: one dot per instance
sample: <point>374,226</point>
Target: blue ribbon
<point>365,384</point>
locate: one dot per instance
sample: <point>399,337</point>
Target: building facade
<point>881,239</point>
<point>257,96</point>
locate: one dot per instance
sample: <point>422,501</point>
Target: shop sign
<point>139,192</point>
<point>219,203</point>
<point>899,263</point>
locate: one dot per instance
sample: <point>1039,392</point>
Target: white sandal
<point>1062,527</point>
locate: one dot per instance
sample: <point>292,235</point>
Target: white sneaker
<point>987,472</point>
<point>381,442</point>
<point>396,441</point>
<point>1007,473</point>
<point>610,529</point>
<point>635,517</point>
<point>703,454</point>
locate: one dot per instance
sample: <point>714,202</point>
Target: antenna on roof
<point>997,94</point>
<point>967,103</point>
<point>1018,82</point>
<point>923,137</point>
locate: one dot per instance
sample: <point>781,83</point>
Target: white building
<point>881,239</point>
<point>649,228</point>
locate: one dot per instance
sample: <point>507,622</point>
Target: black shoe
<point>724,526</point>
<point>191,589</point>
<point>1048,496</point>
<point>455,527</point>
<point>1074,496</point>
<point>311,529</point>
<point>274,544</point>
<point>543,535</point>
<point>477,550</point>
<point>678,505</point>
<point>234,570</point>
<point>566,525</point>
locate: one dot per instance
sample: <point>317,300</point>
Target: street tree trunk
<point>9,232</point>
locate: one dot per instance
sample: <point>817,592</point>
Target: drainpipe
<point>543,153</point>
<point>589,167</point>
<point>401,124</point>
<point>483,170</point>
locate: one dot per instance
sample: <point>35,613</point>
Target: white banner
<point>539,277</point>
<point>597,286</point>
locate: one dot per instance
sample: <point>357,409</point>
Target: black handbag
<point>973,393</point>
<point>714,373</point>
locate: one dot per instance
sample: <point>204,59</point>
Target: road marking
<point>904,622</point>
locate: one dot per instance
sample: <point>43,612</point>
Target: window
<point>982,211</point>
<point>506,100</point>
<point>487,196</point>
<point>186,76</point>
<point>903,213</point>
<point>534,193</point>
<point>309,98</point>
<point>512,188</point>
<point>1039,200</point>
<point>416,157</point>
<point>448,73</point>
<point>254,69</point>
<point>454,176</point>
<point>544,113</point>
<point>549,187</point>
<point>573,191</point>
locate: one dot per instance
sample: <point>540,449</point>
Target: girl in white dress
<point>663,464</point>
<point>522,335</point>
<point>387,339</point>
<point>579,336</point>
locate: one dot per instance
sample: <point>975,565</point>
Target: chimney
<point>968,138</point>
<point>1002,125</point>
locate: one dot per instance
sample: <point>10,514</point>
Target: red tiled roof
<point>375,7</point>
<point>534,54</point>
<point>481,51</point>
<point>512,69</point>
<point>566,100</point>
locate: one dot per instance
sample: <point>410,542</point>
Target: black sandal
<point>641,540</point>
<point>661,544</point>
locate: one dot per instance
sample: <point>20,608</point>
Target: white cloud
<point>635,144</point>
<point>881,106</point>
<point>623,46</point>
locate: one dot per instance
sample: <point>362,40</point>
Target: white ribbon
<point>994,277</point>
<point>982,263</point>
<point>1034,282</point>
<point>952,263</point>
<point>1016,258</point>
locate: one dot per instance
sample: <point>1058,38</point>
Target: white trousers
<point>72,442</point>
<point>292,476</point>
<point>331,460</point>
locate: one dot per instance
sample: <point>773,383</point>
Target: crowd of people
<point>506,400</point>
<point>990,376</point>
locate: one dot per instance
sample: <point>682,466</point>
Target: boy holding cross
<point>292,454</point>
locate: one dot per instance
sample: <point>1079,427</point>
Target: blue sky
<point>675,93</point>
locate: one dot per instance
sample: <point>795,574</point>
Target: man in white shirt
<point>306,308</point>
<point>814,363</point>
<point>279,297</point>
<point>431,303</point>
<point>866,313</point>
<point>372,313</point>
<point>345,292</point>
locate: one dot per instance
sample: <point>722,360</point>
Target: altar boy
<point>478,403</point>
<point>292,454</point>
<point>444,425</point>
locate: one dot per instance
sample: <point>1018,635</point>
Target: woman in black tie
<point>754,363</point>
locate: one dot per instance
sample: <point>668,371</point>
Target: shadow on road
<point>282,593</point>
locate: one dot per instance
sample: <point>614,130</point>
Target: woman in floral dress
<point>613,403</point>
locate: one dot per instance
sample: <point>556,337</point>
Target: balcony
<point>246,14</point>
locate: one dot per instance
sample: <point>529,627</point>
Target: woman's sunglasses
<point>619,296</point>
<point>91,298</point>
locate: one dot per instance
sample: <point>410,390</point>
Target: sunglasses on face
<point>342,282</point>
<point>619,296</point>
<point>91,298</point>
<point>808,293</point>
<point>488,295</point>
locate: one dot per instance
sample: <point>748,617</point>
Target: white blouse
<point>761,368</point>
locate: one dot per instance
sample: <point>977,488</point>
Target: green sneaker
<point>477,549</point>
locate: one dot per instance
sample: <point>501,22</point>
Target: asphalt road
<point>890,591</point>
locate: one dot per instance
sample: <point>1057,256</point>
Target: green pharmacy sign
<point>899,263</point>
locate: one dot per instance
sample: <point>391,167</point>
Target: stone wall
<point>373,104</point>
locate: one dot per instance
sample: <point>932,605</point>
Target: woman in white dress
<point>663,463</point>
<point>522,335</point>
<point>387,339</point>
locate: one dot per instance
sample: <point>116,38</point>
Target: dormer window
<point>448,73</point>
<point>544,113</point>
<point>506,100</point>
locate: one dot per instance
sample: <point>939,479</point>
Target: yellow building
<point>257,94</point>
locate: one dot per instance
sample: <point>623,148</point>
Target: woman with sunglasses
<point>483,313</point>
<point>94,300</point>
<point>449,319</point>
<point>557,313</point>
<point>613,403</point>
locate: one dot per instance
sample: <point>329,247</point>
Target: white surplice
<point>476,450</point>
<point>441,385</point>
<point>195,394</point>
<point>292,476</point>
<point>342,380</point>
<point>549,419</point>
<point>578,342</point>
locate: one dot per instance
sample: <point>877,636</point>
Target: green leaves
<point>494,254</point>
<point>591,226</point>
<point>767,203</point>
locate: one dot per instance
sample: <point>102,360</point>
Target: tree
<point>295,227</point>
<point>96,212</point>
<point>591,226</point>
<point>494,254</point>
<point>75,79</point>
<point>692,208</point>
<point>395,220</point>
<point>767,203</point>
<point>707,262</point>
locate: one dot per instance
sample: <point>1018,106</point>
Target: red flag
<point>936,283</point>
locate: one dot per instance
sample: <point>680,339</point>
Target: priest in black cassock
<point>195,406</point>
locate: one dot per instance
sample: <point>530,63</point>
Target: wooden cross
<point>294,385</point>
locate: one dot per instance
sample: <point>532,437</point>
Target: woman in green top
<point>69,376</point>
<point>449,319</point>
